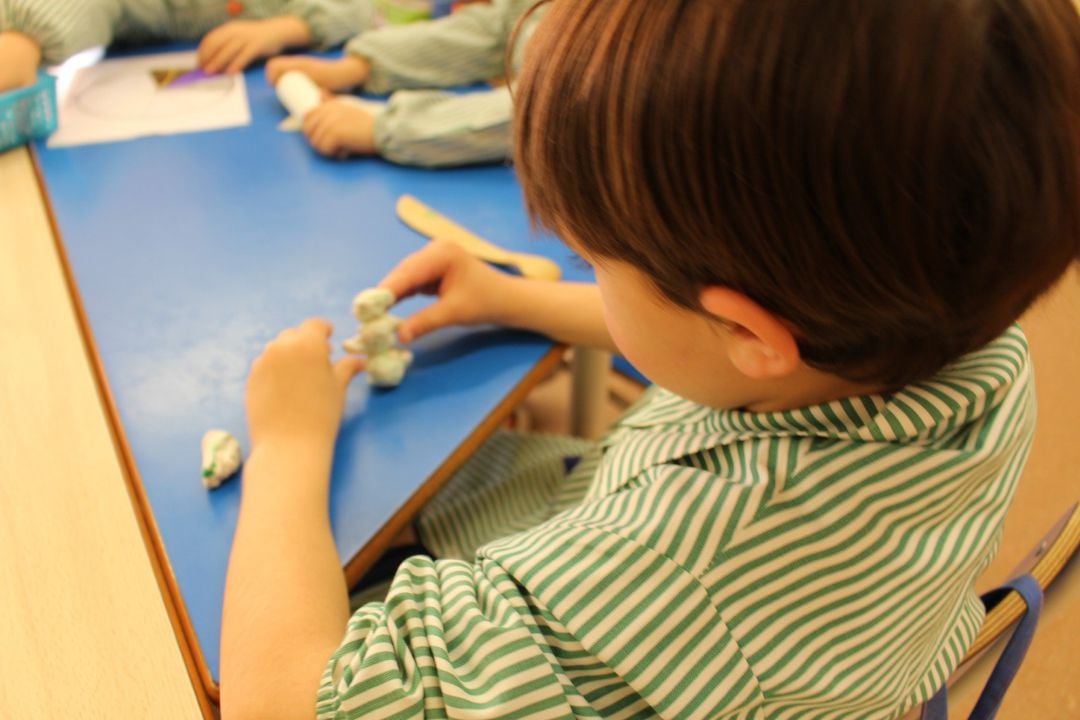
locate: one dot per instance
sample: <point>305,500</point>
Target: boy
<point>813,225</point>
<point>236,32</point>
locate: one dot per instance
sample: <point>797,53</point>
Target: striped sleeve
<point>331,22</point>
<point>452,639</point>
<point>571,621</point>
<point>434,128</point>
<point>61,29</point>
<point>463,48</point>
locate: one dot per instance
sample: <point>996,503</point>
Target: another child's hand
<point>334,75</point>
<point>339,128</point>
<point>19,60</point>
<point>233,46</point>
<point>469,289</point>
<point>294,393</point>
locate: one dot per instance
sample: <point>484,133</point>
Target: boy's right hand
<point>469,289</point>
<point>338,75</point>
<point>19,60</point>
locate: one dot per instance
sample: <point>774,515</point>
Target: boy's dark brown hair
<point>899,180</point>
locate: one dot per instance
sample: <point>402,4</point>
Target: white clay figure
<point>378,335</point>
<point>377,338</point>
<point>388,368</point>
<point>372,303</point>
<point>221,457</point>
<point>355,345</point>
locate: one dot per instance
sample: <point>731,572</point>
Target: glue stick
<point>298,93</point>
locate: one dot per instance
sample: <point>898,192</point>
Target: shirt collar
<point>922,412</point>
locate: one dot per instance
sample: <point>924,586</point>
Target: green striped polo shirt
<point>698,563</point>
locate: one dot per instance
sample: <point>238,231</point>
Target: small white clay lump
<point>388,368</point>
<point>377,339</point>
<point>221,457</point>
<point>372,303</point>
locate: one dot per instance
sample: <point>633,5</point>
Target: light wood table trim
<point>86,631</point>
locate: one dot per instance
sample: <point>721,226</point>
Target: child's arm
<point>441,129</point>
<point>57,30</point>
<point>471,292</point>
<point>463,48</point>
<point>331,22</point>
<point>300,23</point>
<point>19,60</point>
<point>286,604</point>
<point>338,75</point>
<point>429,128</point>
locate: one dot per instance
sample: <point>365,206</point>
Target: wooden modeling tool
<point>427,222</point>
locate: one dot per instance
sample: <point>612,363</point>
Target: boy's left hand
<point>295,395</point>
<point>233,46</point>
<point>339,128</point>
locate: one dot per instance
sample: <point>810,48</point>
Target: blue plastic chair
<point>1018,602</point>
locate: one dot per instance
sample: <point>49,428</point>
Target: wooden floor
<point>1048,686</point>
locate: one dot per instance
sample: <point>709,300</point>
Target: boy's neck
<point>805,387</point>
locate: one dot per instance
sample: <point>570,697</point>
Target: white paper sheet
<point>119,100</point>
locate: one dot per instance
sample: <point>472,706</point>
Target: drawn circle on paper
<point>114,97</point>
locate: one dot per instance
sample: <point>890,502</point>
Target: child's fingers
<point>424,321</point>
<point>220,48</point>
<point>207,48</point>
<point>421,270</point>
<point>233,50</point>
<point>272,71</point>
<point>216,57</point>
<point>347,367</point>
<point>320,130</point>
<point>244,57</point>
<point>323,142</point>
<point>316,327</point>
<point>313,121</point>
<point>277,67</point>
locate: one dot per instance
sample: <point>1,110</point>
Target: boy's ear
<point>761,344</point>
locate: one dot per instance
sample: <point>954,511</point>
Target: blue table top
<point>190,252</point>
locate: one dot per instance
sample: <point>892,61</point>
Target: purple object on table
<point>190,77</point>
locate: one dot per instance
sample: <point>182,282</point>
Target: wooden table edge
<point>159,560</point>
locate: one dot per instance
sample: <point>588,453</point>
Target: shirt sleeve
<point>331,22</point>
<point>462,48</point>
<point>433,128</point>
<point>452,638</point>
<point>61,29</point>
<point>579,617</point>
